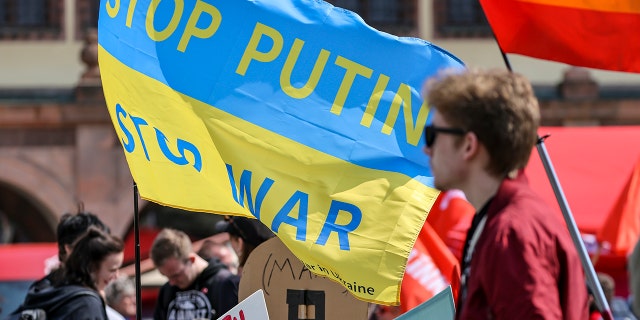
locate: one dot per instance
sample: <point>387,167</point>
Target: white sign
<point>251,308</point>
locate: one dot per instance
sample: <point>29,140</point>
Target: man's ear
<point>192,257</point>
<point>471,145</point>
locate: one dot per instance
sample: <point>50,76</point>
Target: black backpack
<point>25,313</point>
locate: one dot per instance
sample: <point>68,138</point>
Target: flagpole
<point>592,279</point>
<point>136,231</point>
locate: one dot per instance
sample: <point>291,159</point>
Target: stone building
<point>58,147</point>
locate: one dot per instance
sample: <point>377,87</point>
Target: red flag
<point>451,217</point>
<point>430,269</point>
<point>622,227</point>
<point>434,261</point>
<point>587,33</point>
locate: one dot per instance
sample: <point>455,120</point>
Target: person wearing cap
<point>245,234</point>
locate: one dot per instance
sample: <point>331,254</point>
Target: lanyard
<point>474,240</point>
<point>468,253</point>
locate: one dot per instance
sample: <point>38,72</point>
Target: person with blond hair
<point>197,288</point>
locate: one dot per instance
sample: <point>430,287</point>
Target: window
<point>86,17</point>
<point>31,19</point>
<point>395,17</point>
<point>460,19</point>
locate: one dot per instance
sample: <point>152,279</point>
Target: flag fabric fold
<point>622,228</point>
<point>594,34</point>
<point>293,112</point>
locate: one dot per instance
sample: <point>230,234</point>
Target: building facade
<point>58,148</point>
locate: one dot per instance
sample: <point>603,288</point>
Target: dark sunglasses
<point>239,231</point>
<point>431,131</point>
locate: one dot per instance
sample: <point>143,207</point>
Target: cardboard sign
<point>251,308</point>
<point>293,292</point>
<point>441,306</point>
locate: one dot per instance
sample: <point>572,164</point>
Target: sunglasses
<point>431,131</point>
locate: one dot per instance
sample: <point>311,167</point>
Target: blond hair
<point>498,106</point>
<point>170,243</point>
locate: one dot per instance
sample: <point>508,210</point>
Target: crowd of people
<point>89,259</point>
<point>86,284</point>
<point>518,260</point>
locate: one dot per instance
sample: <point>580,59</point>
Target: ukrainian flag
<point>291,111</point>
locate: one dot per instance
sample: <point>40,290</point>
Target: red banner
<point>434,261</point>
<point>594,34</point>
<point>430,269</point>
<point>450,218</point>
<point>622,227</point>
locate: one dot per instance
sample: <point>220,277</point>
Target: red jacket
<point>525,265</point>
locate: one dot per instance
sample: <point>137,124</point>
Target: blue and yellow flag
<point>294,112</point>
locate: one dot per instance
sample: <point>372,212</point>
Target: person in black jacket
<point>64,302</point>
<point>69,229</point>
<point>74,291</point>
<point>197,289</point>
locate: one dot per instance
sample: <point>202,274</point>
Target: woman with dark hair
<point>76,293</point>
<point>94,261</point>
